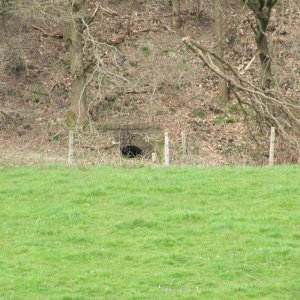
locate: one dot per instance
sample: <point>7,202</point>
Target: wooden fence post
<point>184,143</point>
<point>167,149</point>
<point>272,146</point>
<point>71,148</point>
<point>154,157</point>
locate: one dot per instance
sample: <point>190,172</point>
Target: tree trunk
<point>176,13</point>
<point>262,11</point>
<point>218,31</point>
<point>263,50</point>
<point>78,72</point>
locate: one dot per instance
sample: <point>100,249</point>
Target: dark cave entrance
<point>131,151</point>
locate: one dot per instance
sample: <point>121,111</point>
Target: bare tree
<point>176,13</point>
<point>76,21</point>
<point>76,28</point>
<point>262,11</point>
<point>270,107</point>
<point>218,31</point>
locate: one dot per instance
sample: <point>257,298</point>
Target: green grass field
<point>149,233</point>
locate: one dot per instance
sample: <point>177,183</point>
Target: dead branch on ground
<point>56,35</point>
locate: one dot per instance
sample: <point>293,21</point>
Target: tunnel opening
<point>131,151</point>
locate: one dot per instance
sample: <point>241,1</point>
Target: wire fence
<point>138,147</point>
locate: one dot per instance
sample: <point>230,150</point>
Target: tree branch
<point>272,107</point>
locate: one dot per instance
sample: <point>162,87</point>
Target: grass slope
<point>149,233</point>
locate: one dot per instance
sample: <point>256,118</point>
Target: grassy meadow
<point>150,233</point>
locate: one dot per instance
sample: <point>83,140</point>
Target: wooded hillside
<point>120,73</point>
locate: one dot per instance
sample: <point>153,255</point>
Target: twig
<point>248,65</point>
<point>168,28</point>
<point>57,35</point>
<point>90,20</point>
<point>108,10</point>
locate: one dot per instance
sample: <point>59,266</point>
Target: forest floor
<point>148,78</point>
